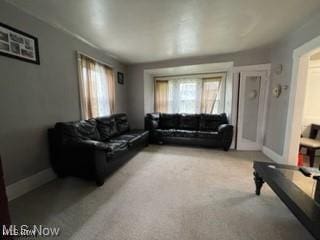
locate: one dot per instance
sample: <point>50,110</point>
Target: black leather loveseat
<point>207,130</point>
<point>94,148</point>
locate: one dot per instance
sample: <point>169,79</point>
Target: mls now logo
<point>30,231</point>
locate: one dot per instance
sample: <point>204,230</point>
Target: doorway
<point>311,114</point>
<point>301,57</point>
<point>252,94</point>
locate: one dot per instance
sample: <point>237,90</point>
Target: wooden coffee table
<point>298,192</point>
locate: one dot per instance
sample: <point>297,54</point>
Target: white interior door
<point>251,110</point>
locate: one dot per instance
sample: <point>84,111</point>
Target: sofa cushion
<point>78,130</point>
<point>122,122</point>
<point>87,129</point>
<point>169,121</point>
<point>116,148</point>
<point>185,133</point>
<point>153,124</point>
<point>154,116</point>
<point>164,132</point>
<point>175,133</point>
<point>211,122</point>
<point>189,121</point>
<point>107,127</point>
<point>104,146</point>
<point>151,121</point>
<point>208,134</point>
<point>131,137</point>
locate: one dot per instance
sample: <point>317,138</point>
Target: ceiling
<point>191,69</point>
<point>135,31</point>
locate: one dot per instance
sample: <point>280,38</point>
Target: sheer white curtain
<point>102,91</point>
<point>184,96</point>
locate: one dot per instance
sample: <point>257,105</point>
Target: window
<point>200,94</point>
<point>97,91</point>
<point>188,98</point>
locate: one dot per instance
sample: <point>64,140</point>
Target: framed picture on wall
<point>120,78</point>
<point>17,44</point>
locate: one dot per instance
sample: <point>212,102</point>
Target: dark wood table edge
<point>300,204</point>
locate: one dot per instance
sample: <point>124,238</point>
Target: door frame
<point>299,75</point>
<point>236,80</point>
<point>246,144</point>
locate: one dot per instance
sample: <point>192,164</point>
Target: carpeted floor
<point>165,193</point>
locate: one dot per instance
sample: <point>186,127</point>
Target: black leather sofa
<point>94,148</point>
<point>206,130</point>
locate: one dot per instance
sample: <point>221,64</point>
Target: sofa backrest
<point>77,130</point>
<point>202,122</point>
<point>153,116</point>
<point>113,125</point>
<point>122,122</point>
<point>107,127</point>
<point>151,121</point>
<point>99,129</point>
<point>211,122</point>
<point>189,121</point>
<point>169,121</point>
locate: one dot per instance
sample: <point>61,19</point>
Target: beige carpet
<point>165,193</point>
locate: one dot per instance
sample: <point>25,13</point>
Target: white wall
<point>282,53</point>
<point>312,99</point>
<point>148,93</point>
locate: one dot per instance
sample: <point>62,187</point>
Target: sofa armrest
<point>225,128</point>
<point>84,157</point>
<point>226,133</point>
<point>150,122</point>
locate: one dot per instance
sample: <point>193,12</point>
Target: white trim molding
<point>242,142</point>
<point>272,155</point>
<point>248,68</point>
<point>263,68</point>
<point>28,184</point>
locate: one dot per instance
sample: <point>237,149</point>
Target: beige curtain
<point>97,88</point>
<point>210,90</point>
<point>111,89</point>
<point>88,87</point>
<point>161,96</point>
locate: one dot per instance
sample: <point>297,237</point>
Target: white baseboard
<point>28,184</point>
<point>272,155</point>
